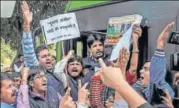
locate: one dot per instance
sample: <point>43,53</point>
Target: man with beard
<point>96,48</point>
<point>39,57</point>
<point>8,91</point>
<point>74,69</point>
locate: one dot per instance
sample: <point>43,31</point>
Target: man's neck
<point>42,94</point>
<point>96,59</point>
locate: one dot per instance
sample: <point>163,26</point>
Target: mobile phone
<point>174,38</point>
<point>162,93</point>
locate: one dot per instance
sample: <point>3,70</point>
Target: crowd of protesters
<point>92,82</point>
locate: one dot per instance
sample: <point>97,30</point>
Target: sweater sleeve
<point>22,98</point>
<point>95,90</point>
<point>158,66</point>
<point>158,72</point>
<point>28,50</point>
<point>59,71</point>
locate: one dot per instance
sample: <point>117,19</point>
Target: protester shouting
<point>39,57</point>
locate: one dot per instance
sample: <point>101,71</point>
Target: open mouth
<point>14,94</point>
<point>48,63</point>
<point>100,53</point>
<point>74,70</point>
<point>44,85</point>
<point>141,77</point>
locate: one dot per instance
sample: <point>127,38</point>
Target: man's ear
<point>89,49</point>
<point>66,67</point>
<point>31,83</point>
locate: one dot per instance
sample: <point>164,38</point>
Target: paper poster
<point>117,26</point>
<point>119,33</point>
<point>60,27</point>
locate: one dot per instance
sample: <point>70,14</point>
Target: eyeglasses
<point>40,76</point>
<point>17,80</point>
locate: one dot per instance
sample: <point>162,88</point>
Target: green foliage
<point>40,40</point>
<point>11,28</point>
<point>7,53</point>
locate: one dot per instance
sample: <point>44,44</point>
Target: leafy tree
<point>11,28</point>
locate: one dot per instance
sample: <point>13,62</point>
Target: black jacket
<point>51,100</point>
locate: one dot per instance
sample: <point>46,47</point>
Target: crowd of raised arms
<point>38,81</point>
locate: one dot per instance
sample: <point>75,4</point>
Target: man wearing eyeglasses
<point>34,92</point>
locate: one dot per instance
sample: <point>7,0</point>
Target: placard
<point>60,27</point>
<point>117,26</point>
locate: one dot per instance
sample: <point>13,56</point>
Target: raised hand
<point>122,60</point>
<point>83,93</point>
<point>24,74</point>
<point>176,79</point>
<point>164,35</point>
<point>27,15</point>
<point>70,54</point>
<point>66,101</point>
<point>110,75</point>
<point>136,32</point>
<point>167,99</point>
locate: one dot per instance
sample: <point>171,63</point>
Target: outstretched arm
<point>60,67</point>
<point>137,31</point>
<point>113,77</point>
<point>27,42</point>
<point>23,97</point>
<point>158,63</point>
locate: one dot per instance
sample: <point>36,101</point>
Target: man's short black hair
<point>76,58</point>
<point>34,71</point>
<point>4,76</point>
<point>94,37</point>
<point>147,61</point>
<point>14,75</point>
<point>20,55</point>
<point>40,48</point>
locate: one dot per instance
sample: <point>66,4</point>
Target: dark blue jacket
<point>51,100</point>
<point>55,83</point>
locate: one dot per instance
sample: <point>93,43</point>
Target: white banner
<point>7,8</point>
<point>60,27</point>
